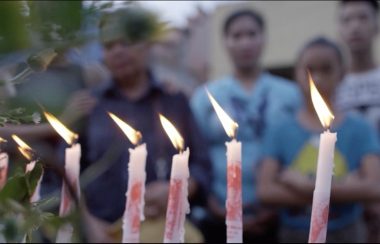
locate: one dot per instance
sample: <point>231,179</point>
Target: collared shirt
<point>105,195</point>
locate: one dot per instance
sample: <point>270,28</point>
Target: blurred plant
<point>131,24</point>
<point>15,210</point>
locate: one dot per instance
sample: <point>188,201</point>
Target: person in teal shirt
<point>287,174</point>
<point>254,99</point>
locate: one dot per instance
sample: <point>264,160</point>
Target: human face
<point>358,25</point>
<point>125,60</point>
<point>325,68</point>
<point>244,42</point>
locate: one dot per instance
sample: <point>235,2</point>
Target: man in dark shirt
<point>136,97</point>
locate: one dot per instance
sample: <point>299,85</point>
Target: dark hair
<point>324,42</point>
<point>257,17</point>
<point>373,3</point>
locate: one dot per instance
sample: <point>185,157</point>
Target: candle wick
<point>139,138</point>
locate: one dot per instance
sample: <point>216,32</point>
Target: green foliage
<point>21,186</point>
<point>13,34</point>
<point>18,116</point>
<point>18,216</point>
<point>133,24</point>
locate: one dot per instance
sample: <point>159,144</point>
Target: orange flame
<point>133,135</point>
<point>324,113</point>
<point>229,125</point>
<point>62,130</point>
<point>25,150</point>
<point>173,133</point>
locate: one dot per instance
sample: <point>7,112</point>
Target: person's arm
<point>363,187</point>
<point>270,190</point>
<point>79,105</point>
<point>29,131</point>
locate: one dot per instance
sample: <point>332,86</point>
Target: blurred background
<point>192,51</point>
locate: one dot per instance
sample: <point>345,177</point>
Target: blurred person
<point>135,95</point>
<point>360,90</point>
<point>181,56</point>
<point>254,99</point>
<point>167,61</point>
<point>287,173</point>
<point>60,89</point>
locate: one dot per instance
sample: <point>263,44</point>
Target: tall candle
<point>234,193</point>
<point>322,191</point>
<point>28,153</point>
<point>234,207</point>
<point>3,169</point>
<point>36,194</point>
<point>134,207</point>
<point>72,170</point>
<point>178,204</point>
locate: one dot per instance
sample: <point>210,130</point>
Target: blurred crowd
<point>139,67</point>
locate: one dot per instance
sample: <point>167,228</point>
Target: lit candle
<point>234,208</point>
<point>29,154</point>
<point>178,204</point>
<point>134,207</point>
<point>321,197</point>
<point>3,166</point>
<point>72,169</point>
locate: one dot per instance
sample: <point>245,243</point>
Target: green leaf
<point>20,187</point>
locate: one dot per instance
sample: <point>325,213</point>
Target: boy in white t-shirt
<point>360,90</point>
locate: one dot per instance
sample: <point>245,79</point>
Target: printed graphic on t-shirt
<point>306,163</point>
<point>360,93</point>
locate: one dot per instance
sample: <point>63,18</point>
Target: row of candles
<point>178,205</point>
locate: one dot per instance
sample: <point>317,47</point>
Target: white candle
<point>234,218</point>
<point>29,154</point>
<point>234,207</point>
<point>134,209</point>
<point>36,194</point>
<point>3,169</point>
<point>178,204</point>
<point>322,191</point>
<point>72,169</point>
<point>321,197</point>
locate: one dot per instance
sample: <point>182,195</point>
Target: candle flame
<point>2,140</point>
<point>229,125</point>
<point>62,130</point>
<point>172,132</point>
<point>25,150</point>
<point>324,113</point>
<point>133,135</point>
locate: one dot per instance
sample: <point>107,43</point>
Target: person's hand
<point>351,179</point>
<point>156,199</point>
<point>259,223</point>
<point>79,105</point>
<point>97,231</point>
<point>214,207</point>
<point>297,181</point>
